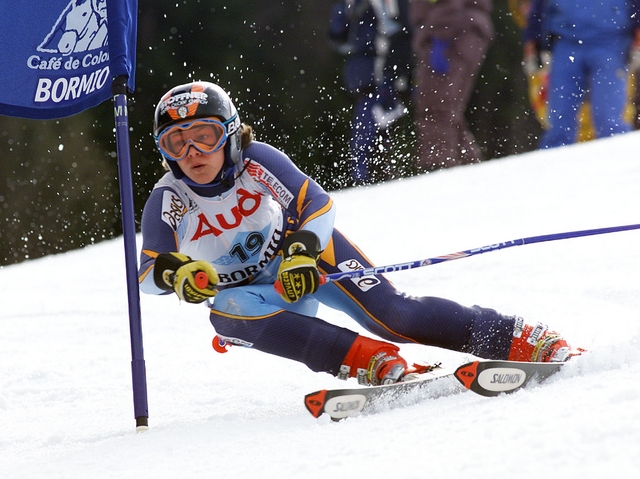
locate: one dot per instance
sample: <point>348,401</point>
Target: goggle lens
<point>205,135</point>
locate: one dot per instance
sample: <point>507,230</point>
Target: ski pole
<point>329,278</point>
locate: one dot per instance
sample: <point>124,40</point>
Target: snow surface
<point>66,407</point>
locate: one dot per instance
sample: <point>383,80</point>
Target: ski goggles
<point>205,135</point>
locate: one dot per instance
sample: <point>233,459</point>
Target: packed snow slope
<point>66,407</point>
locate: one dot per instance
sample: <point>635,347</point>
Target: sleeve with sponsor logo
<point>308,205</point>
<point>161,220</point>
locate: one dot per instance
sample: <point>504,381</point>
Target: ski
<point>491,378</point>
<point>342,403</point>
<point>487,378</point>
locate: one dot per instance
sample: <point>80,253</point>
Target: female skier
<point>232,215</point>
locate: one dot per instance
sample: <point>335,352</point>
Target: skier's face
<point>197,146</point>
<point>202,168</point>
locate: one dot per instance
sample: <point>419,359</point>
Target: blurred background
<point>59,180</point>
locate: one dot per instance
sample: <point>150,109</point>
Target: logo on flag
<point>82,26</point>
<point>77,44</point>
<point>57,60</point>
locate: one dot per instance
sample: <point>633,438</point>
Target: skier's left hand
<point>298,273</point>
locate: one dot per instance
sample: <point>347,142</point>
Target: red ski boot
<point>373,362</point>
<point>538,344</point>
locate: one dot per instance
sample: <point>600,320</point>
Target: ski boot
<point>375,362</point>
<point>538,344</point>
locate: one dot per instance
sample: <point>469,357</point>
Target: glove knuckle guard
<point>301,242</point>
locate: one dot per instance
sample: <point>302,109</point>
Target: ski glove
<point>298,273</point>
<point>193,281</point>
<point>438,58</point>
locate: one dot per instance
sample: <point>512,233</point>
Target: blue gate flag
<point>59,57</point>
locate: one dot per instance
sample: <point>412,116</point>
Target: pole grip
<point>201,279</point>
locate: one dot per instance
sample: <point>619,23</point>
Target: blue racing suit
<point>241,232</point>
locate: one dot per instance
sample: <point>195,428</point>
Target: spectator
<point>536,68</point>
<point>375,40</point>
<point>590,45</point>
<point>450,39</point>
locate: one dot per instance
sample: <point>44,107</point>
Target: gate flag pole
<point>138,370</point>
<point>122,29</point>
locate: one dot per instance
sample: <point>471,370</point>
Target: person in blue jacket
<point>233,215</point>
<point>589,42</point>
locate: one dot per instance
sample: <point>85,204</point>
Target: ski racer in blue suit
<point>232,215</point>
<point>589,42</point>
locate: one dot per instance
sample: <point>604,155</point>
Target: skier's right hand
<point>193,281</point>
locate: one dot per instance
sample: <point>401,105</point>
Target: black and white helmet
<point>196,100</point>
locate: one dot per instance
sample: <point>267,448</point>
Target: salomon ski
<point>487,378</point>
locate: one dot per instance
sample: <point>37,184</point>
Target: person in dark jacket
<point>374,38</point>
<point>590,42</point>
<point>450,39</point>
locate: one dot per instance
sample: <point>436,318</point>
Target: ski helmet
<point>196,100</point>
